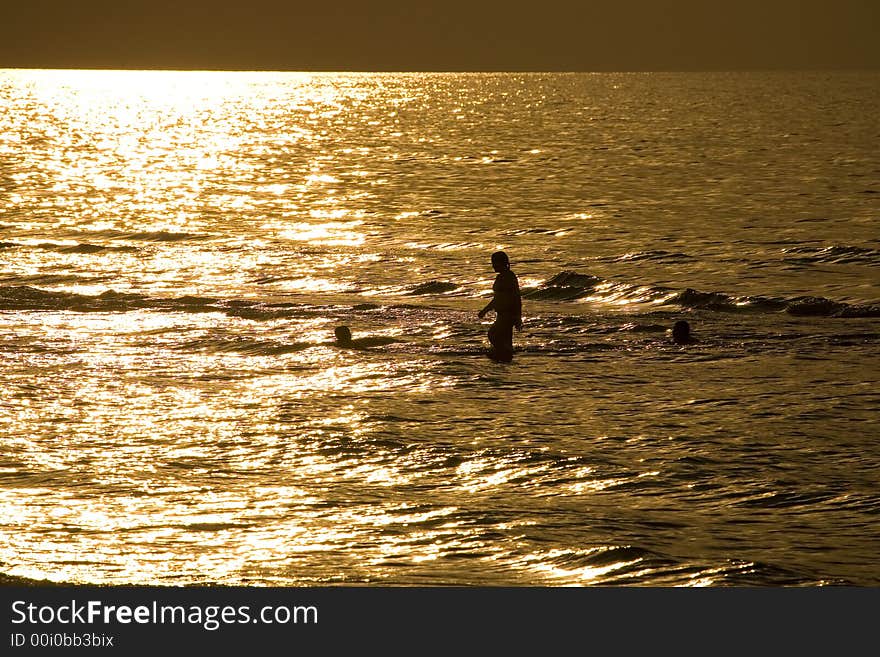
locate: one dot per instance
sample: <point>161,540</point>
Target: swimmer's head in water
<point>343,334</point>
<point>681,331</point>
<point>500,261</point>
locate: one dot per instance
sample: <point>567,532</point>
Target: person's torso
<point>506,289</point>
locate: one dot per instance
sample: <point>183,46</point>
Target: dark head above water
<point>500,261</point>
<point>681,332</point>
<point>343,335</point>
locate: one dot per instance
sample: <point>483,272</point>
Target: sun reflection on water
<point>177,249</point>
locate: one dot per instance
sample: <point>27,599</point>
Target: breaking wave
<point>573,286</point>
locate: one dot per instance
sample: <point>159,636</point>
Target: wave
<point>756,573</point>
<point>807,306</point>
<point>445,246</point>
<point>835,254</point>
<point>86,248</point>
<point>135,236</point>
<point>654,256</point>
<point>24,293</point>
<point>25,297</point>
<point>555,232</point>
<point>566,285</point>
<point>69,248</point>
<point>432,287</point>
<point>50,279</point>
<point>244,346</point>
<point>573,286</point>
<point>162,236</point>
<point>629,565</point>
<point>90,248</point>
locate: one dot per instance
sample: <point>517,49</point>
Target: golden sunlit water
<point>176,249</point>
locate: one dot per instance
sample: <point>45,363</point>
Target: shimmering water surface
<point>177,247</point>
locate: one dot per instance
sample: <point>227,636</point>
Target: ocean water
<point>176,249</point>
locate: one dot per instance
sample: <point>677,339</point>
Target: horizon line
<point>846,69</point>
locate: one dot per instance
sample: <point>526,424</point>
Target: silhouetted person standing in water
<point>507,305</point>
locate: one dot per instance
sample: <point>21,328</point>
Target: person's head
<point>500,261</point>
<point>681,331</point>
<point>343,335</point>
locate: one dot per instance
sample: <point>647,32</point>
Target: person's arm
<point>489,306</point>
